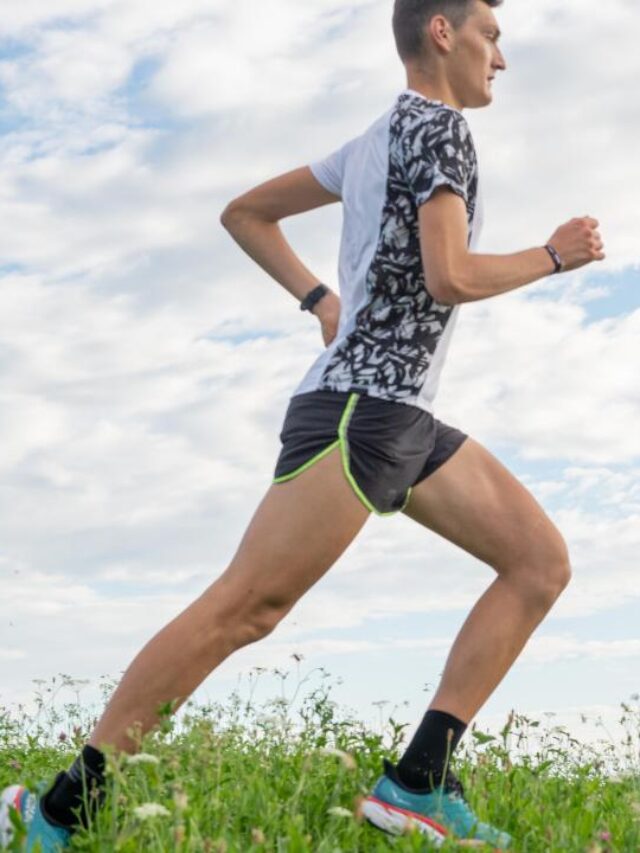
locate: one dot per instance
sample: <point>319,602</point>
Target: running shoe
<point>21,814</point>
<point>439,815</point>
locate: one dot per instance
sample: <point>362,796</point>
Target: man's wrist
<point>555,257</point>
<point>313,298</point>
<point>328,307</point>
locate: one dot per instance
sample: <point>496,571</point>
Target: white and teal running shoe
<point>21,815</point>
<point>439,815</point>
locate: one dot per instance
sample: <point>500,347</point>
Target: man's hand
<point>328,312</point>
<point>578,243</point>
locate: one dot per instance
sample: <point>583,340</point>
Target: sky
<point>147,363</point>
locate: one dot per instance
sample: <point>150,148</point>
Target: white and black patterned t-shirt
<point>393,336</point>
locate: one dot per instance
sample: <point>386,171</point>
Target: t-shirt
<point>393,336</point>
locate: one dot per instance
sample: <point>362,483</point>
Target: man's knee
<point>249,615</point>
<point>256,624</point>
<point>546,572</point>
<point>558,574</point>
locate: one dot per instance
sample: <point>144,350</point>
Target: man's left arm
<point>253,221</point>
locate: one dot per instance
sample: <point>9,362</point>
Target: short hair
<point>411,16</point>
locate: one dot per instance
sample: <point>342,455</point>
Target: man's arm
<point>454,275</point>
<point>252,220</point>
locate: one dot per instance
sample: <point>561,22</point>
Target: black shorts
<point>387,448</point>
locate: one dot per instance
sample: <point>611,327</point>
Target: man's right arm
<point>454,275</point>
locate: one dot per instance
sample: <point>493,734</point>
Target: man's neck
<point>434,91</point>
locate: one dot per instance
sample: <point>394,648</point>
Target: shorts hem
<point>433,469</point>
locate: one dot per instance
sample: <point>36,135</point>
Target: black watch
<point>311,299</point>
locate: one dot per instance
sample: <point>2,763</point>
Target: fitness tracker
<point>311,299</point>
<point>556,258</point>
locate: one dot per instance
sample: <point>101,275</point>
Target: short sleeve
<point>330,171</point>
<point>437,150</point>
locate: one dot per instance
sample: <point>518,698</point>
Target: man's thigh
<point>297,533</point>
<point>476,503</point>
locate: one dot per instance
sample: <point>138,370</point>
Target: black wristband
<point>311,299</point>
<point>556,258</point>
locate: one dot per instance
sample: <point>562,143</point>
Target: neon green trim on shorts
<point>308,464</point>
<point>343,443</point>
<point>408,498</point>
<point>344,449</point>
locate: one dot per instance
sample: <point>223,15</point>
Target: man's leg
<point>474,502</point>
<point>298,532</point>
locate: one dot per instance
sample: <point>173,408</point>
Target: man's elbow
<point>230,214</point>
<point>237,213</point>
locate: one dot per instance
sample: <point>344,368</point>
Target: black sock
<point>84,779</point>
<point>423,764</point>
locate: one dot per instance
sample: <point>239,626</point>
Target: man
<point>360,436</point>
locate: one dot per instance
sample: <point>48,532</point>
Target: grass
<point>287,774</point>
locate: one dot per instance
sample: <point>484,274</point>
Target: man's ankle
<point>78,792</point>
<point>427,758</point>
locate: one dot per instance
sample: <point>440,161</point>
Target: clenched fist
<point>578,243</point>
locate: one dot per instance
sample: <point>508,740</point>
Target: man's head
<point>452,43</point>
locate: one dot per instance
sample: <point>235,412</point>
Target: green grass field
<point>287,774</point>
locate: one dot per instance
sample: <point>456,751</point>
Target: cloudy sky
<point>146,363</point>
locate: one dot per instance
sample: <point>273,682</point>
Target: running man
<point>360,435</point>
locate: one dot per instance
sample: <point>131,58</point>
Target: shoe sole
<point>396,821</point>
<point>9,798</point>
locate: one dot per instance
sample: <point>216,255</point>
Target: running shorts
<point>387,448</point>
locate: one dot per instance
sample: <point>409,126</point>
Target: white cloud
<point>70,65</point>
<point>604,554</point>
<point>228,64</point>
<point>29,14</point>
<point>11,654</point>
<point>540,651</point>
<point>536,375</point>
<point>549,649</point>
<point>34,423</point>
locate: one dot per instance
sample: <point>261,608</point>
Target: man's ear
<point>441,33</point>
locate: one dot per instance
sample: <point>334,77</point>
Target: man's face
<point>476,57</point>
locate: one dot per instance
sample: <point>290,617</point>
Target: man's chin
<point>484,100</point>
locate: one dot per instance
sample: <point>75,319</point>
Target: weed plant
<point>286,775</point>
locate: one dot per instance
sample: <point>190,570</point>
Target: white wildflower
<point>147,810</point>
<point>338,811</point>
<point>143,758</point>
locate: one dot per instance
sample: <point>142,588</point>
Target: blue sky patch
<point>623,295</point>
<point>11,49</point>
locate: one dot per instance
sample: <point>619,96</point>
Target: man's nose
<point>500,63</point>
